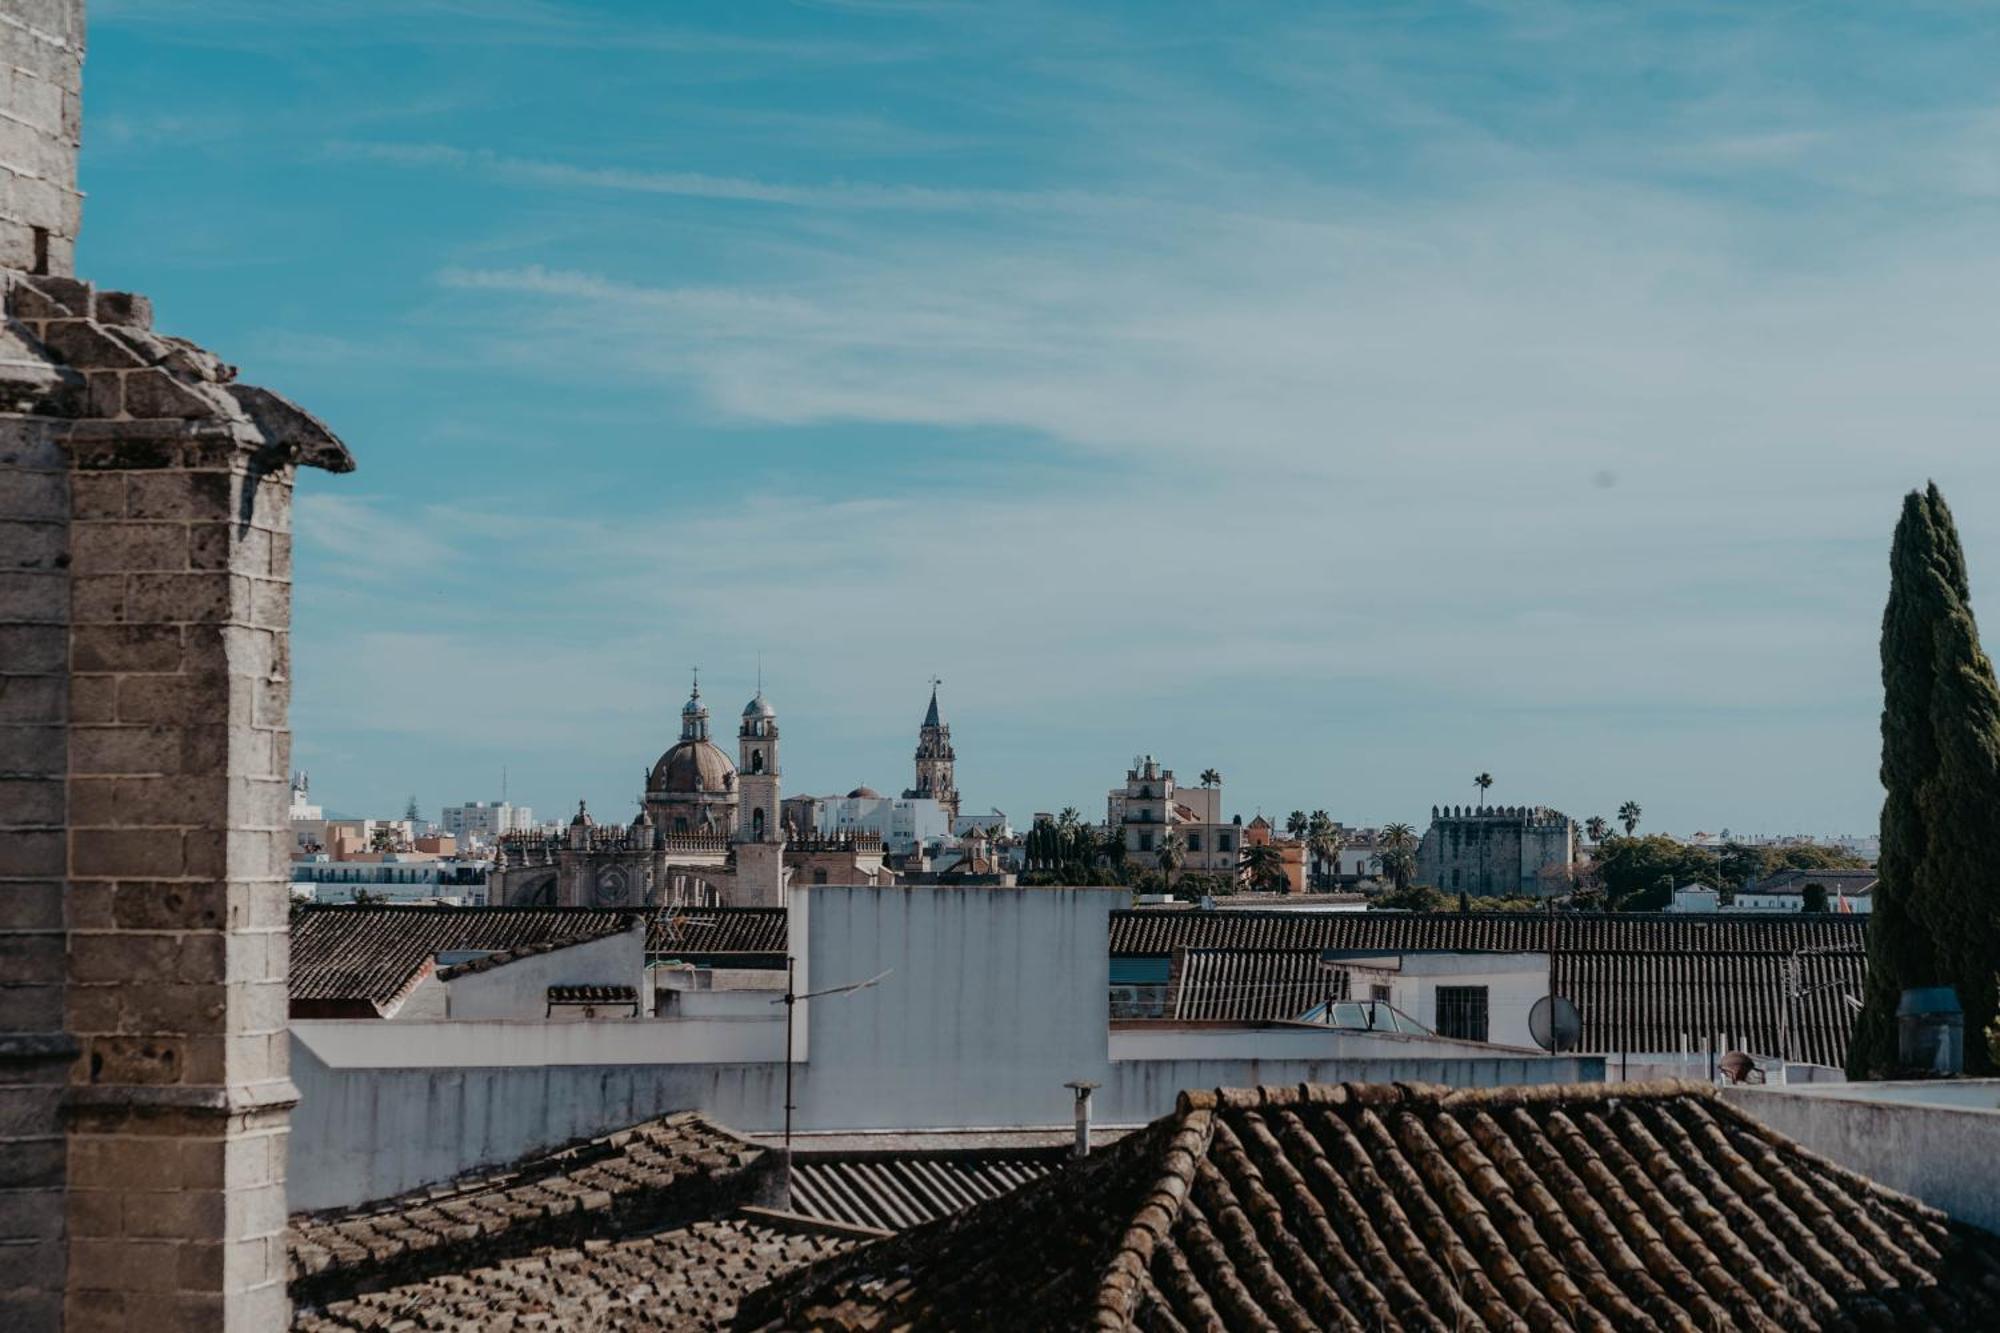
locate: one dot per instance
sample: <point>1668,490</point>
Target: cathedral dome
<point>864,794</point>
<point>694,768</point>
<point>759,707</point>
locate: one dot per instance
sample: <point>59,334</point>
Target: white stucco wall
<point>519,989</point>
<point>1938,1142</point>
<point>995,999</point>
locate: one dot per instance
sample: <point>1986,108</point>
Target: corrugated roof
<point>1642,1002</point>
<point>682,932</point>
<point>1159,932</point>
<point>894,1190</point>
<point>369,955</point>
<point>1394,1207</point>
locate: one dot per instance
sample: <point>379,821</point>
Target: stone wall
<point>145,611</point>
<point>41,125</point>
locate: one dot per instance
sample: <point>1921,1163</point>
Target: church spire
<point>935,779</point>
<point>931,715</point>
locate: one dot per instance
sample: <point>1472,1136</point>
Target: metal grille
<point>1461,1012</point>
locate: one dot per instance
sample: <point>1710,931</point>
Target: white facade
<point>902,822</point>
<point>518,990</point>
<point>317,877</point>
<point>993,823</point>
<point>485,820</point>
<point>1701,898</point>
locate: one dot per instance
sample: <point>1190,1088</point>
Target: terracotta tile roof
<point>1397,1207</point>
<point>687,1278</point>
<point>895,1189</point>
<point>359,960</point>
<point>661,1173</point>
<point>1158,932</point>
<point>703,932</point>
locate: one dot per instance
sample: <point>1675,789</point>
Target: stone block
<point>32,1008</point>
<point>97,599</point>
<point>104,648</point>
<point>98,1213</point>
<point>171,905</point>
<point>136,751</point>
<point>93,698</point>
<point>128,308</point>
<point>32,1163</point>
<point>114,956</point>
<point>29,801</point>
<point>126,547</point>
<point>147,1060</point>
<point>39,698</point>
<point>206,598</point>
<point>29,1214</point>
<point>159,393</point>
<point>271,604</point>
<point>128,1265</point>
<point>28,750</point>
<point>126,1162</point>
<point>33,650</point>
<point>84,345</point>
<point>107,393</point>
<point>28,544</point>
<point>31,959</point>
<point>41,496</point>
<point>32,854</point>
<point>35,597</point>
<point>31,905</point>
<point>29,1263</point>
<point>116,853</point>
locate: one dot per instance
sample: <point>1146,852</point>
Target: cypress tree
<point>1934,919</point>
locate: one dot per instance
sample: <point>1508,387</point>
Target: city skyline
<point>1313,396</point>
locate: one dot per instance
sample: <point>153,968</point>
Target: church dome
<point>694,768</point>
<point>759,707</point>
<point>864,794</point>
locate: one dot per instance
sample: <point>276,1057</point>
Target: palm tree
<point>1483,781</point>
<point>1210,778</point>
<point>1265,866</point>
<point>1173,855</point>
<point>1628,815</point>
<point>1295,823</point>
<point>1069,818</point>
<point>1596,827</point>
<point>1324,840</point>
<point>1397,856</point>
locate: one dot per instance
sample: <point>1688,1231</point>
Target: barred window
<point>1461,1012</point>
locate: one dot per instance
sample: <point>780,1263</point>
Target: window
<point>1194,842</point>
<point>1145,842</point>
<point>1379,992</point>
<point>1223,842</point>
<point>1461,1012</point>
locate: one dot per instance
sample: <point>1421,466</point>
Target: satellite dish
<point>1555,1024</point>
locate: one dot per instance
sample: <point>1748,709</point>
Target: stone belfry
<point>935,760</point>
<point>759,846</point>
<point>145,679</point>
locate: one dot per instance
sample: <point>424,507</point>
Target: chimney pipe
<point>1082,1090</point>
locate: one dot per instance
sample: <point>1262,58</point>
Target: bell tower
<point>935,761</point>
<point>757,773</point>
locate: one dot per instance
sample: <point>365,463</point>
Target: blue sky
<point>1349,398</point>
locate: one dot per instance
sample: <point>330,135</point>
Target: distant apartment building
<point>485,821</point>
<point>395,877</point>
<point>1151,804</point>
<point>1848,892</point>
<point>903,823</point>
<point>1497,850</point>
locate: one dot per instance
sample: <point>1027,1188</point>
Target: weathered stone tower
<point>145,614</point>
<point>760,837</point>
<point>935,761</point>
<point>1497,850</point>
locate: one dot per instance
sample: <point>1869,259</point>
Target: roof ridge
<point>1122,1279</point>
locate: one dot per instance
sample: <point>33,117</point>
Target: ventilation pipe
<point>1082,1090</point>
